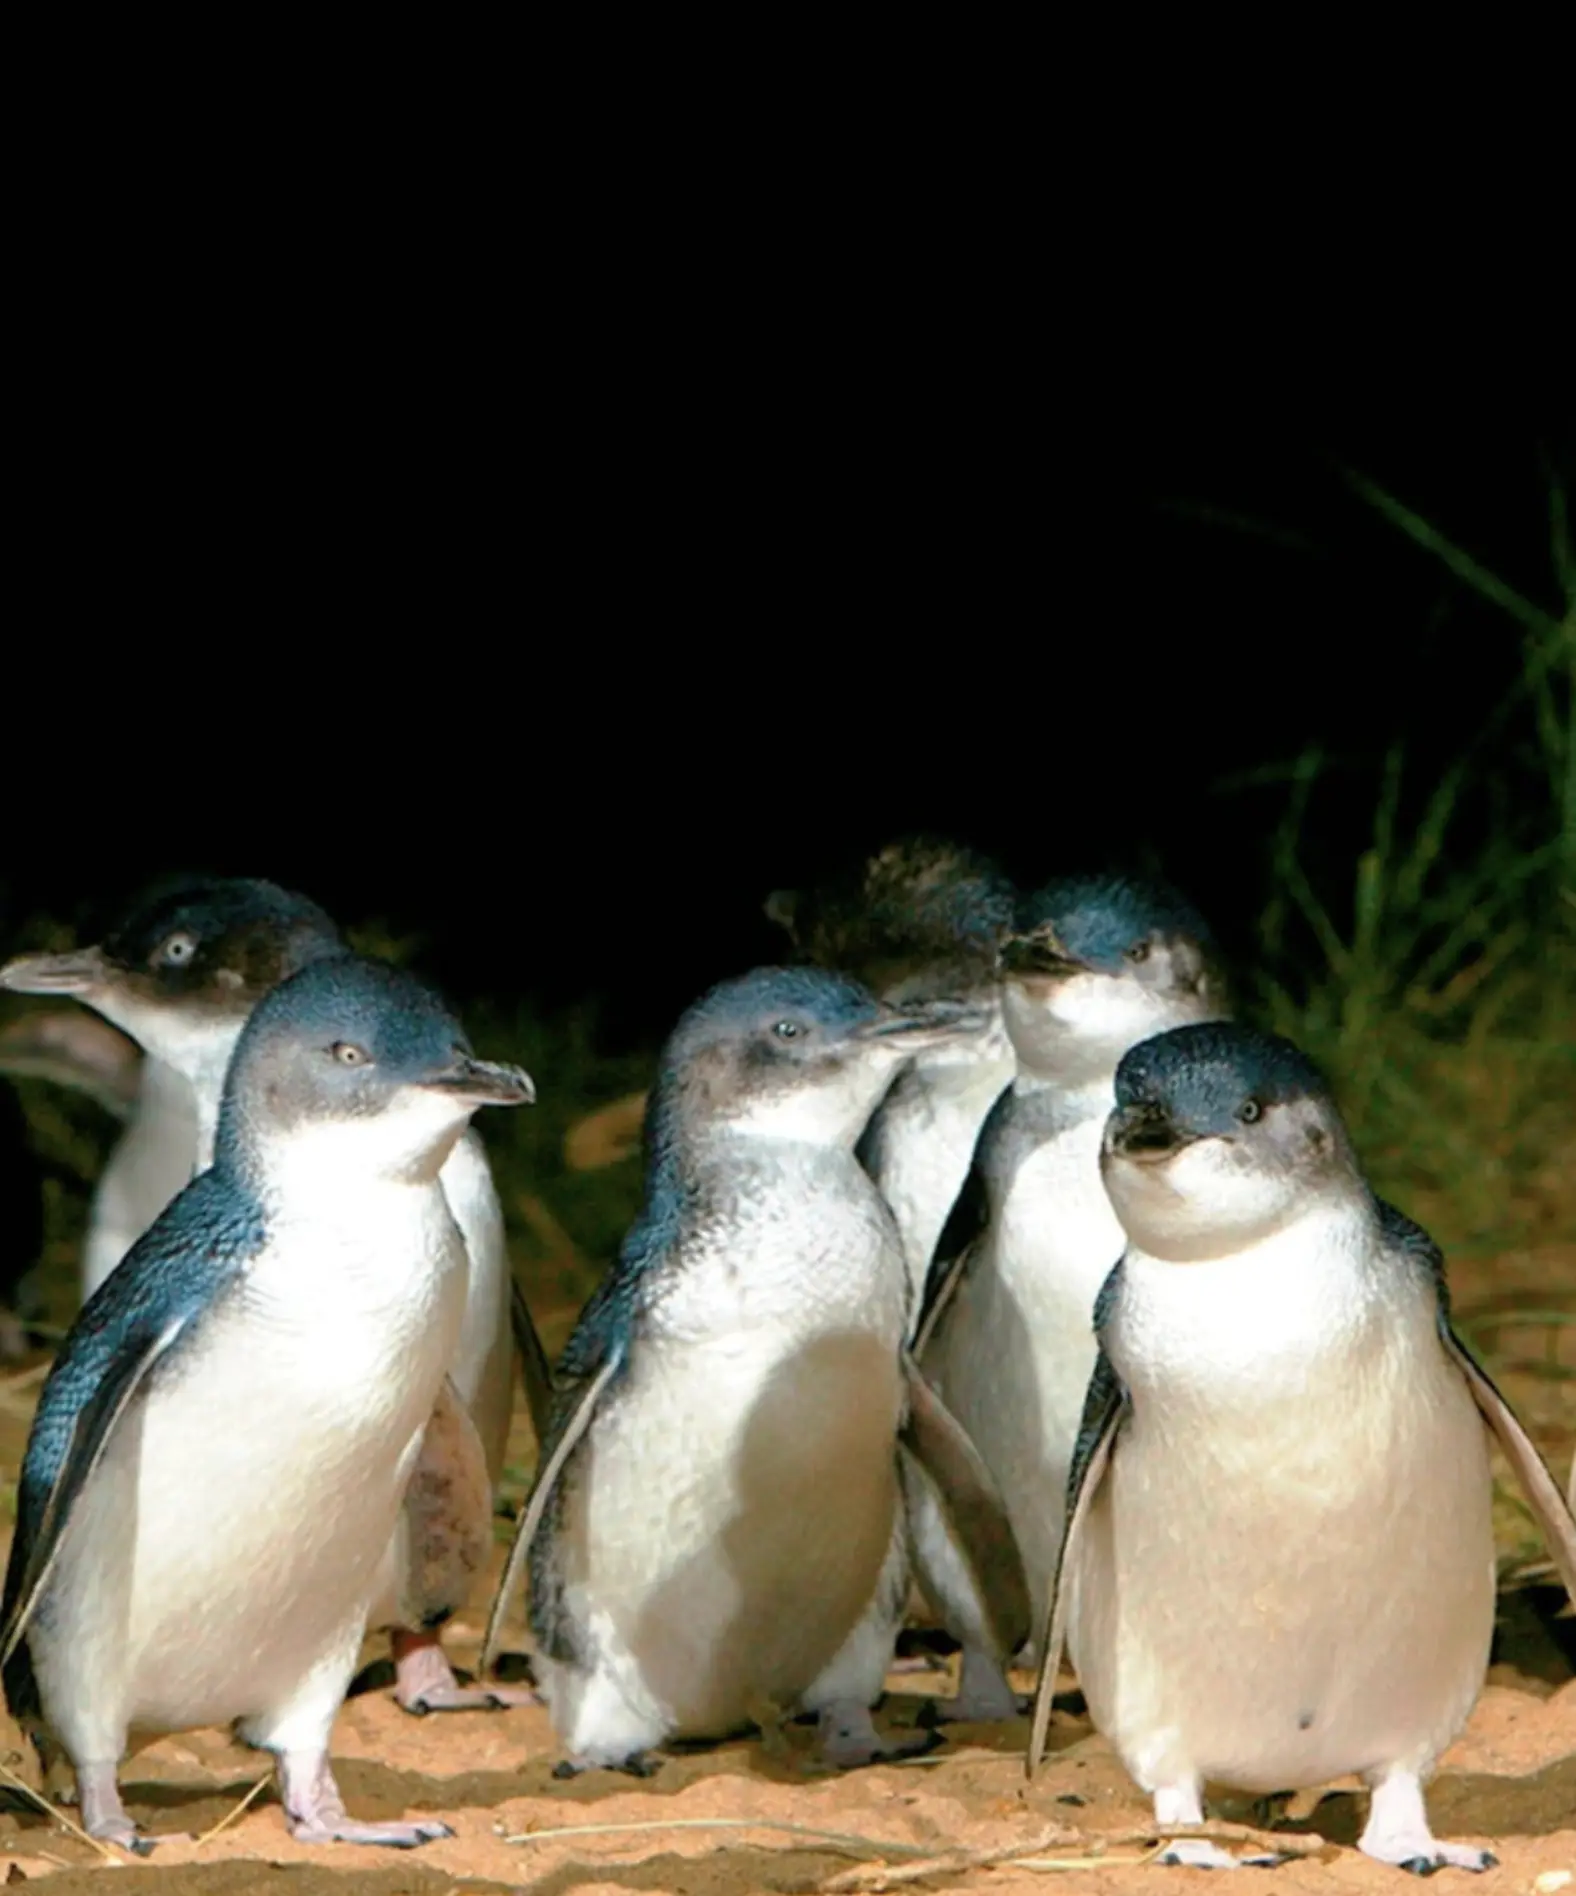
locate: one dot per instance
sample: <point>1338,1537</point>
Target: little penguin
<point>1093,965</point>
<point>227,1444</point>
<point>716,1527</point>
<point>921,921</point>
<point>180,973</point>
<point>1279,1561</point>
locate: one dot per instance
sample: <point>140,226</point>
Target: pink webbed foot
<point>103,1814</point>
<point>315,1811</point>
<point>424,1681</point>
<point>848,1738</point>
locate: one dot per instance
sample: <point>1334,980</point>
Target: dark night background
<point>570,714</point>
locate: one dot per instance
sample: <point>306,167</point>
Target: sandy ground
<point>760,1815</point>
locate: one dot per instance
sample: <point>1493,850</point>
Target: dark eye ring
<point>1138,952</point>
<point>1249,1111</point>
<point>786,1029</point>
<point>347,1053</point>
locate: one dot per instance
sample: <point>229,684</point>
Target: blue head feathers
<point>339,1039</point>
<point>1213,1078</point>
<point>1100,921</point>
<point>810,1000</point>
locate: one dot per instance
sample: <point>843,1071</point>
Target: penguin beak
<point>1037,953</point>
<point>484,1082</point>
<point>1145,1134</point>
<point>76,973</point>
<point>926,1024</point>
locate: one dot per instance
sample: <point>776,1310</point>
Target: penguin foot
<point>1199,1853</point>
<point>1397,1832</point>
<point>455,1697</point>
<point>346,1830</point>
<point>103,1814</point>
<point>315,1811</point>
<point>983,1694</point>
<point>1431,1855</point>
<point>424,1682</point>
<point>1181,1803</point>
<point>848,1738</point>
<point>638,1765</point>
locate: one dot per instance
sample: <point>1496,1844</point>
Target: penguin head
<point>792,1053</point>
<point>1221,1136</point>
<point>920,920</point>
<point>184,966</point>
<point>352,1068</point>
<point>1095,964</point>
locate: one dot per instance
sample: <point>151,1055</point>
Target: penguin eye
<point>1249,1111</point>
<point>175,950</point>
<point>1139,952</point>
<point>787,1029</point>
<point>348,1054</point>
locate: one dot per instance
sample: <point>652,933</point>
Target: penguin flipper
<point>87,1436</point>
<point>1104,1409</point>
<point>573,1414</point>
<point>948,1485</point>
<point>939,1290</point>
<point>1553,1511</point>
<point>966,1225</point>
<point>535,1371</point>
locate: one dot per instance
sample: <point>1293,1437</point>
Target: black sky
<point>566,689</point>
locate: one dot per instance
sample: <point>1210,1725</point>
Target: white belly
<point>1013,1353</point>
<point>726,1525</point>
<point>735,1509</point>
<point>1293,1578</point>
<point>253,1492</point>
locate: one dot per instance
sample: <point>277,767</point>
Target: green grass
<point>1443,1001</point>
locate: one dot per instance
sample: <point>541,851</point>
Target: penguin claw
<point>1198,1853</point>
<point>467,1698</point>
<point>424,1682</point>
<point>347,1830</point>
<point>849,1739</point>
<point>639,1764</point>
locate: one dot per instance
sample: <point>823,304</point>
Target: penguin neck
<point>331,1172</point>
<point>202,1062</point>
<point>1315,1289</point>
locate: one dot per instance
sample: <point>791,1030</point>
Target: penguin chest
<point>920,1150</point>
<point>1289,1578</point>
<point>729,1516</point>
<point>260,1479</point>
<point>1015,1352</point>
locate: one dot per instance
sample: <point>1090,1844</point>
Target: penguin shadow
<point>1533,1638</point>
<point>159,1806</point>
<point>726,1867</point>
<point>813,1491</point>
<point>1460,1804</point>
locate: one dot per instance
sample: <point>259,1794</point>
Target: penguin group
<point>982,1251</point>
